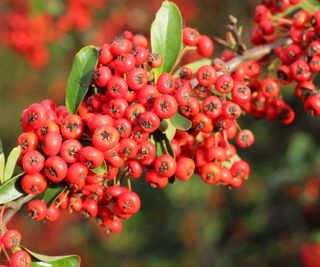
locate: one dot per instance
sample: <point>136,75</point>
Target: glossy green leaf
<point>170,131</point>
<point>80,77</point>
<point>101,169</point>
<point>11,163</point>
<point>194,66</point>
<point>157,144</point>
<point>52,192</point>
<point>2,164</point>
<point>180,122</point>
<point>39,260</point>
<point>11,190</point>
<point>166,36</point>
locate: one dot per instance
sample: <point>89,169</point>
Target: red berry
<point>185,168</point>
<point>165,165</point>
<point>129,202</point>
<point>11,238</point>
<point>206,75</point>
<point>33,183</point>
<point>245,138</point>
<point>32,162</point>
<point>205,46</point>
<point>55,168</point>
<point>37,209</point>
<point>102,76</point>
<point>105,137</point>
<point>20,258</point>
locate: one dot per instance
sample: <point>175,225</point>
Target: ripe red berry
<point>55,169</point>
<point>76,175</point>
<point>190,36</point>
<point>117,87</point>
<point>34,116</point>
<point>185,168</point>
<point>53,213</point>
<point>206,75</point>
<point>105,137</point>
<point>90,207</point>
<point>11,238</point>
<point>165,165</point>
<point>102,76</point>
<point>245,138</point>
<point>165,106</point>
<point>20,258</point>
<point>149,121</point>
<point>124,63</point>
<point>69,150</point>
<point>72,127</point>
<point>137,78</point>
<point>165,83</point>
<point>32,162</point>
<point>205,46</point>
<point>33,183</point>
<point>156,180</point>
<point>27,141</point>
<point>129,202</point>
<point>91,157</point>
<point>210,173</point>
<point>52,143</point>
<point>37,209</point>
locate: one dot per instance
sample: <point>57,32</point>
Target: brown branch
<point>14,206</point>
<point>236,33</point>
<point>255,53</point>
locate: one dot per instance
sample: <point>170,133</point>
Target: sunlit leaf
<point>166,36</point>
<point>80,77</point>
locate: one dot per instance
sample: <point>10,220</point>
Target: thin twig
<point>14,206</point>
<point>236,34</point>
<point>255,53</point>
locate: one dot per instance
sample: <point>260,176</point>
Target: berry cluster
<point>114,136</point>
<point>297,61</point>
<point>10,239</point>
<point>30,34</point>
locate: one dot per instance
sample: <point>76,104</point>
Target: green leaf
<point>170,131</point>
<point>11,190</point>
<point>304,4</point>
<point>180,122</point>
<point>101,169</point>
<point>80,77</point>
<point>2,163</point>
<point>39,260</point>
<point>36,7</point>
<point>166,36</point>
<point>157,144</point>
<point>228,163</point>
<point>194,66</point>
<point>11,163</point>
<point>52,192</point>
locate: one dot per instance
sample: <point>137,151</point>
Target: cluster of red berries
<point>310,254</point>
<point>10,239</point>
<point>112,136</point>
<point>296,62</point>
<point>30,34</point>
<point>55,151</point>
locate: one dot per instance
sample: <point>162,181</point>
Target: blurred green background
<point>265,222</point>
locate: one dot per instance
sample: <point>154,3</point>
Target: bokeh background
<point>267,222</point>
